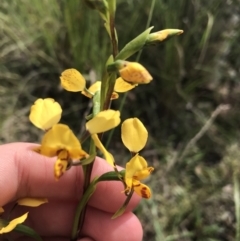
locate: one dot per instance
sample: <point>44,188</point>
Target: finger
<point>98,225</point>
<point>24,173</point>
<point>53,239</point>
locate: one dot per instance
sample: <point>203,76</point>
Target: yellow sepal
<point>31,202</point>
<point>103,121</point>
<point>122,86</point>
<point>72,80</point>
<point>12,224</point>
<point>134,134</point>
<point>45,113</point>
<point>107,155</point>
<point>135,73</point>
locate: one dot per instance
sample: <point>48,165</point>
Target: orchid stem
<point>81,212</point>
<point>113,36</point>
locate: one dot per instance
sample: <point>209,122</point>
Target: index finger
<point>25,173</point>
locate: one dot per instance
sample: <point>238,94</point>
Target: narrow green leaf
<point>111,176</point>
<point>28,232</point>
<point>100,5</point>
<point>88,160</point>
<point>82,203</point>
<point>135,45</point>
<point>122,209</point>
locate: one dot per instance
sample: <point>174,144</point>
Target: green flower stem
<point>81,208</point>
<point>81,212</point>
<point>112,80</point>
<point>104,87</point>
<point>111,176</point>
<point>84,136</point>
<point>82,205</point>
<point>88,189</point>
<point>112,7</point>
<point>96,103</point>
<point>113,36</point>
<point>137,59</point>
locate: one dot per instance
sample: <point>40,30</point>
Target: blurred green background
<point>191,108</point>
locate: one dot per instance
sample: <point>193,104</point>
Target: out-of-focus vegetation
<point>193,143</point>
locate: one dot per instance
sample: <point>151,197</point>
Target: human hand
<point>24,173</point>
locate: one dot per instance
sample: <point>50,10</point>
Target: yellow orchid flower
<point>134,134</point>
<point>94,88</point>
<point>45,113</point>
<point>61,142</point>
<point>136,170</point>
<point>134,73</point>
<point>72,80</point>
<point>134,137</point>
<point>12,224</point>
<point>122,86</point>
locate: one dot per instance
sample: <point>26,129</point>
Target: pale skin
<point>24,173</point>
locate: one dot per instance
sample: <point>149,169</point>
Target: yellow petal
<point>93,89</point>
<point>122,86</point>
<point>139,175</point>
<point>103,121</point>
<point>45,113</point>
<point>135,73</point>
<point>136,164</point>
<point>32,202</point>
<point>142,190</point>
<point>134,134</point>
<point>60,167</point>
<point>72,80</point>
<point>61,137</point>
<point>107,155</point>
<point>13,224</point>
<point>1,210</point>
<point>163,35</point>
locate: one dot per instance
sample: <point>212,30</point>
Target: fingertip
<point>86,239</point>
